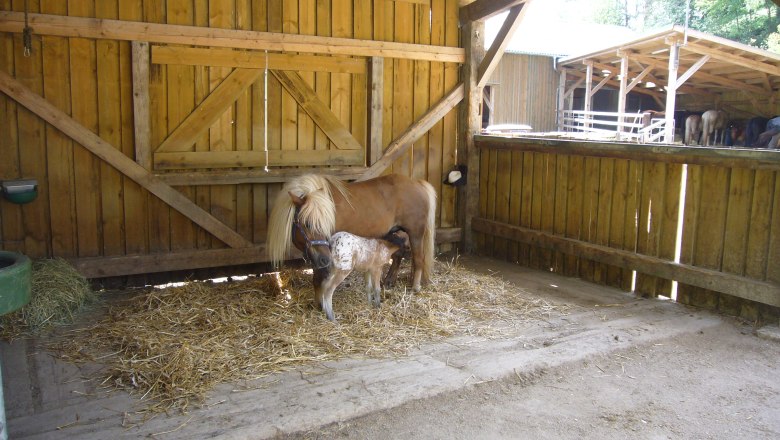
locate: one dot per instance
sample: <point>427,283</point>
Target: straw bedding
<point>171,346</point>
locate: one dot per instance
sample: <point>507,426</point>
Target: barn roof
<point>706,62</point>
<point>540,37</point>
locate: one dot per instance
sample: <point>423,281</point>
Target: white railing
<point>612,125</point>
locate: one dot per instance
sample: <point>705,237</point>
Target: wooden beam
<point>576,83</point>
<point>601,83</point>
<point>209,111</point>
<point>671,93</point>
<point>141,121</point>
<point>319,112</point>
<point>63,26</point>
<point>561,97</point>
<point>502,40</point>
<point>116,159</point>
<point>639,78</point>
<point>376,94</point>
<point>735,285</point>
<point>104,267</point>
<point>725,157</point>
<point>223,57</point>
<point>484,9</point>
<point>187,160</point>
<point>238,177</point>
<point>693,69</point>
<point>415,131</point>
<point>733,59</point>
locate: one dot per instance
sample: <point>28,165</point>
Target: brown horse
<point>311,208</point>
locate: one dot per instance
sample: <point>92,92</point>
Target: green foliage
<point>750,22</point>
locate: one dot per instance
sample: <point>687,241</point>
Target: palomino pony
<point>310,208</point>
<point>349,252</point>
<point>713,126</point>
<point>692,129</point>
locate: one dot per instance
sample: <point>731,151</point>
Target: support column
<point>671,91</point>
<point>561,98</point>
<point>470,122</point>
<point>623,91</point>
<point>588,105</point>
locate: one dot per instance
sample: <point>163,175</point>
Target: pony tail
<point>280,227</point>
<point>430,230</point>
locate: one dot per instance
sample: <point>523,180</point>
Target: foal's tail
<point>430,231</point>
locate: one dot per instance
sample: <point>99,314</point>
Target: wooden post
<point>561,98</point>
<point>376,67</point>
<point>588,105</point>
<point>671,91</point>
<point>142,125</point>
<point>622,94</point>
<point>469,124</point>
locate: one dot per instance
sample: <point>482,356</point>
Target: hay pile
<point>172,346</point>
<point>57,293</point>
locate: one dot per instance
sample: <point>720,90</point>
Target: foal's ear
<point>297,201</point>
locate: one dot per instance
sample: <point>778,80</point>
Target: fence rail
<point>633,127</point>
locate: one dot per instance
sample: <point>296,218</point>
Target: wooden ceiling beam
<point>733,59</point>
<point>58,25</point>
<point>484,9</point>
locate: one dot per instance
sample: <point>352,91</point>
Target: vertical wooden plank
<point>449,123</point>
<point>630,222</point>
<point>260,207</point>
<point>403,84</point>
<point>341,83</point>
<point>654,181</point>
<point>536,205</point>
<point>604,209</point>
<point>56,90</point>
<point>759,224</point>
<point>589,212</point>
<point>515,199</point>
<point>136,199</point>
<point>667,239</point>
<point>616,232</point>
<point>575,212</point>
<point>83,66</point>
<point>362,24</point>
<point>243,133</point>
<point>492,193</point>
<point>480,239</point>
<point>526,204</point>
<point>436,91</point>
<point>202,88</point>
<point>143,148</point>
<point>322,80</point>
<point>32,149</point>
<point>503,190</point>
<point>548,207</point>
<point>110,129</point>
<point>740,193</point>
<point>422,75</point>
<point>693,190</point>
<point>560,209</point>
<point>376,67</point>
<point>12,233</point>
<point>223,197</point>
<point>773,259</point>
<point>290,112</point>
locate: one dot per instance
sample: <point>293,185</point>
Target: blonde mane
<point>319,211</point>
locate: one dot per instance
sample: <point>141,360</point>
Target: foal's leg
<point>329,286</point>
<point>374,287</point>
<point>392,273</point>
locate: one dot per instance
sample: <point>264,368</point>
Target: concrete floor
<point>50,399</point>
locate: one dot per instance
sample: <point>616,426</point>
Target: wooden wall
<point>87,208</point>
<point>525,91</point>
<point>602,211</point>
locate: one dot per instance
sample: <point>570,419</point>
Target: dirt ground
<point>719,383</point>
<point>613,366</point>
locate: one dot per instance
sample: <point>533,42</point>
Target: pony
<point>349,252</point>
<point>713,126</point>
<point>692,129</point>
<point>311,208</point>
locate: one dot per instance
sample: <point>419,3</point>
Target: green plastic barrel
<point>15,272</point>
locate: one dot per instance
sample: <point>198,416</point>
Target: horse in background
<point>753,128</point>
<point>713,126</point>
<point>311,208</point>
<point>693,128</point>
<point>350,252</point>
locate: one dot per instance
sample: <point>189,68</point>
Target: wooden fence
<point>146,123</point>
<point>609,213</point>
